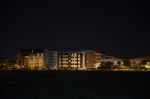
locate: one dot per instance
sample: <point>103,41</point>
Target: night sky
<point>121,28</point>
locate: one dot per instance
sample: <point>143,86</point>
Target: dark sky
<point>119,27</point>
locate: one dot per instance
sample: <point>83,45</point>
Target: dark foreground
<point>74,85</point>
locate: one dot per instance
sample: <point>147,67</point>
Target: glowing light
<point>147,65</point>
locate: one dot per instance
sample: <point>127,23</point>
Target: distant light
<point>147,65</point>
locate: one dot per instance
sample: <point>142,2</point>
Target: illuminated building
<point>114,60</point>
<point>8,63</point>
<point>92,59</point>
<point>86,59</point>
<point>34,61</point>
<point>138,62</point>
<point>11,63</point>
<point>71,60</point>
<point>37,59</point>
<point>33,58</point>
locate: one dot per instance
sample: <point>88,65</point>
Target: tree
<point>106,65</point>
<point>144,62</point>
<point>127,62</point>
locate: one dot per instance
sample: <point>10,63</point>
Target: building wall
<point>32,58</point>
<point>34,61</point>
<point>84,59</point>
<point>98,58</point>
<point>92,59</point>
<point>52,60</point>
<point>71,60</point>
<point>114,60</point>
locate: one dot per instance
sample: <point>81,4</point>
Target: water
<point>74,85</point>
